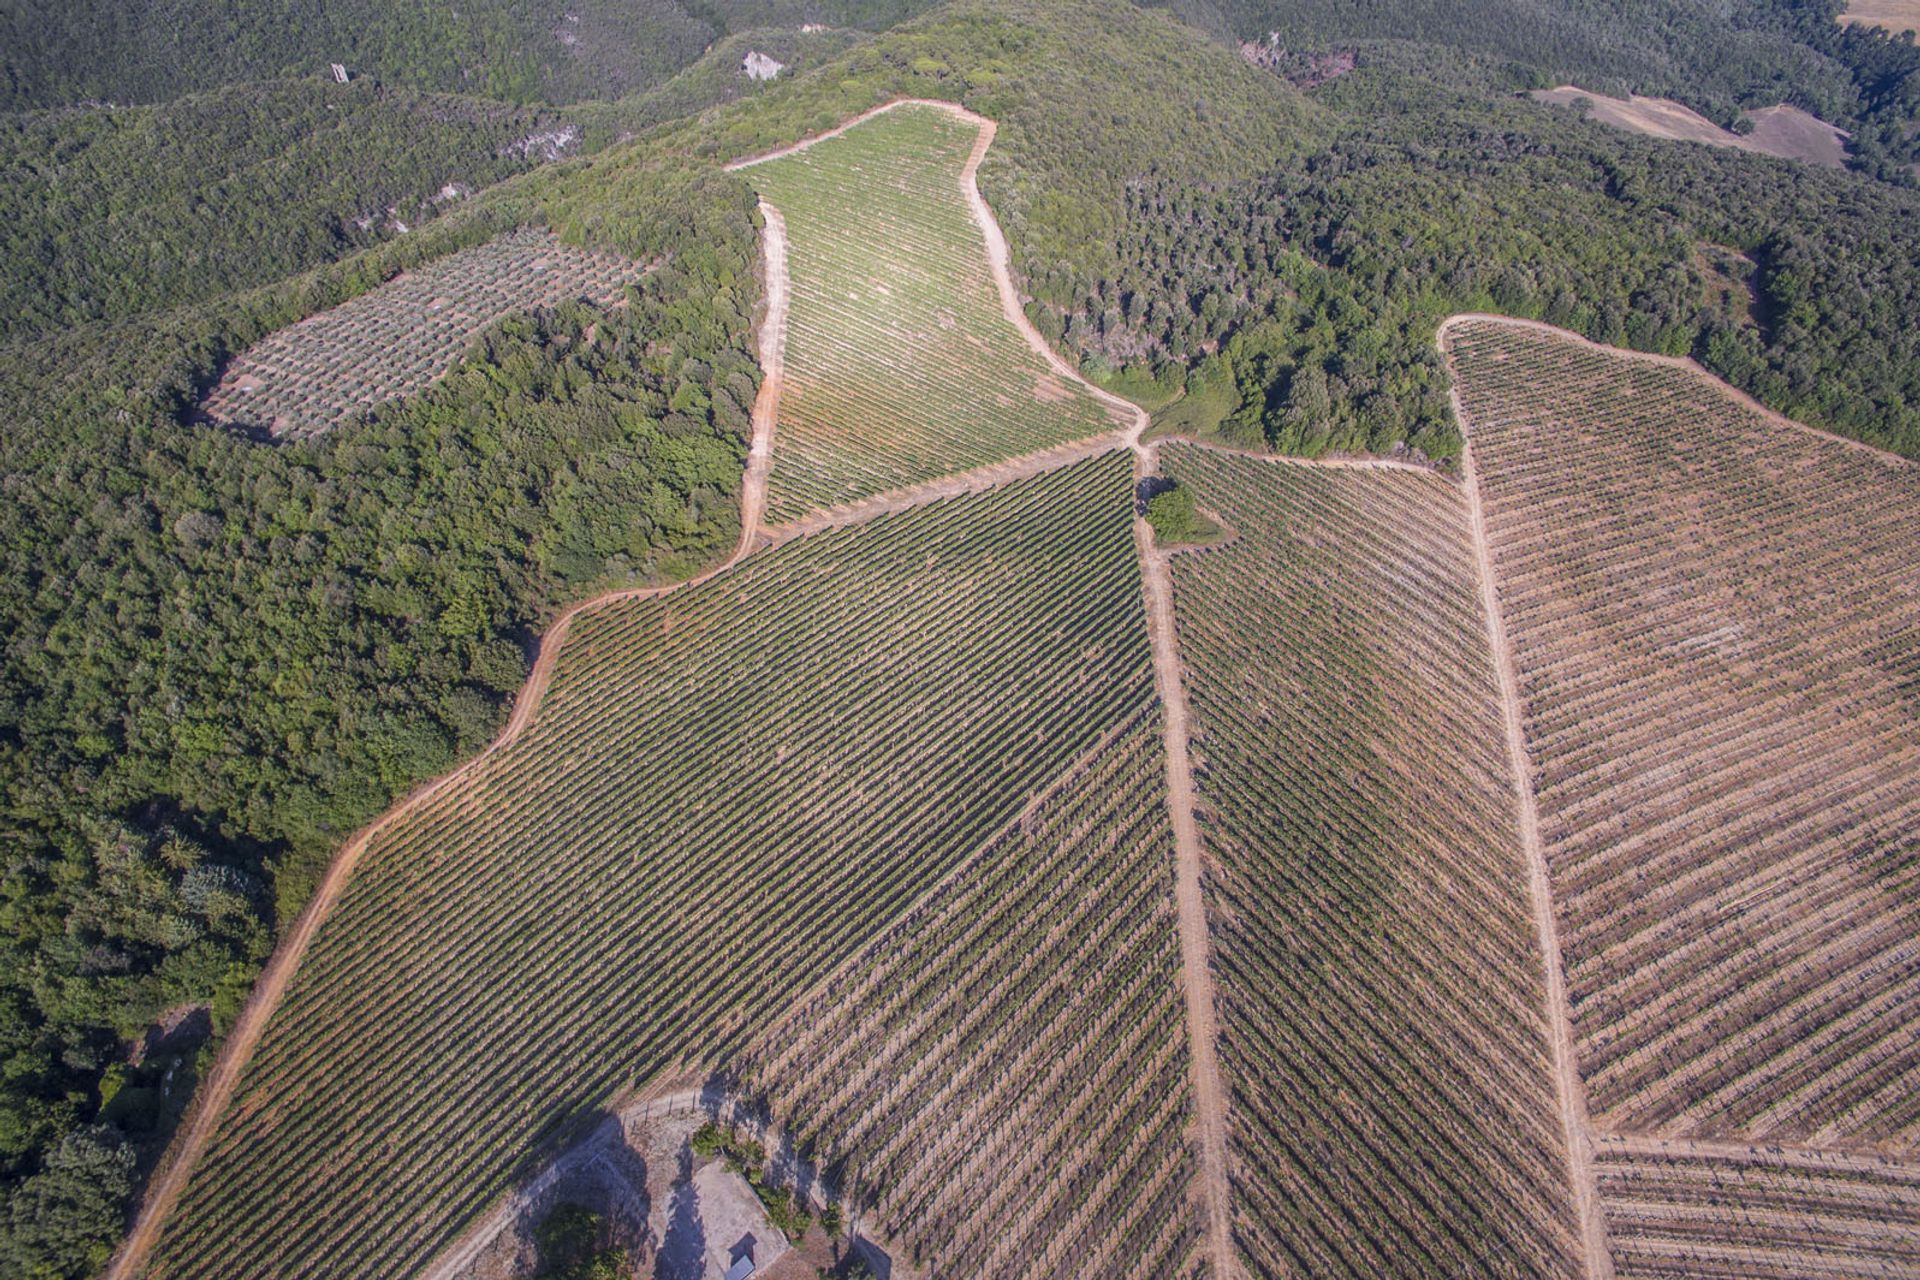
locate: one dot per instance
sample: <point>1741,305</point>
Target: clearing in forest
<point>1716,625</point>
<point>1001,1078</point>
<point>396,339</point>
<point>901,361</point>
<point>1383,1015</point>
<point>1895,15</point>
<point>1783,131</point>
<point>727,791</point>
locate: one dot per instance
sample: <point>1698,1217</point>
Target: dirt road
<point>1209,1094</point>
<point>1597,1256</point>
<point>217,1090</point>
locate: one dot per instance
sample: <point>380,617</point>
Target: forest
<point>221,657</point>
<point>545,51</point>
<point>1305,300</point>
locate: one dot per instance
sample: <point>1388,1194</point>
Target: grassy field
<point>900,363</point>
<point>1002,1076</point>
<point>1894,15</point>
<point>396,339</point>
<point>1382,1019</point>
<point>727,791</point>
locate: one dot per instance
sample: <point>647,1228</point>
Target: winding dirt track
<point>216,1092</point>
<point>1566,1068</point>
<point>211,1099</point>
<point>1195,944</point>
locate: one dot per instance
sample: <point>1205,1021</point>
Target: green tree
<point>1173,516</point>
<point>63,1221</point>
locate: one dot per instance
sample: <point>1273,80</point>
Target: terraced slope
<point>727,791</point>
<point>1759,1213</point>
<point>901,363</point>
<point>1003,1074</point>
<point>396,339</point>
<point>1716,620</point>
<point>1383,1020</point>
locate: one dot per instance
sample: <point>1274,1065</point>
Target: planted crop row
<point>397,338</point>
<point>900,365</point>
<point>727,791</point>
<point>1382,1009</point>
<point>1770,1214</point>
<point>1715,621</point>
<point>1002,1078</point>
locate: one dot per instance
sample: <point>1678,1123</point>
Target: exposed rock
<point>546,145</point>
<point>1306,70</point>
<point>759,66</point>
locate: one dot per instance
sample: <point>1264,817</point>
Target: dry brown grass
<point>1894,15</point>
<point>1783,131</point>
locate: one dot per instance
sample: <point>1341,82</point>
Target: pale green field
<point>900,364</point>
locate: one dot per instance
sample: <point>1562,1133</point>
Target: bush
<point>1173,516</point>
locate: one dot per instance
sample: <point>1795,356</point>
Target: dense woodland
<point>109,213</point>
<point>220,657</point>
<point>1716,58</point>
<point>1306,299</point>
<point>547,51</point>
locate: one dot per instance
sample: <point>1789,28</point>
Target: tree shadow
<point>683,1251</point>
<point>1147,490</point>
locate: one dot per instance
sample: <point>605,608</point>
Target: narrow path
<point>1597,1257</point>
<point>216,1091</point>
<point>1157,582</point>
<point>1196,948</point>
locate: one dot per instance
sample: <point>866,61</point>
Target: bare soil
<point>1794,134</point>
<point>1894,15</point>
<point>1783,131</point>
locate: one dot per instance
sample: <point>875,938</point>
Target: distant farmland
<point>1717,630</point>
<point>396,339</point>
<point>900,364</point>
<point>1383,1019</point>
<point>726,791</point>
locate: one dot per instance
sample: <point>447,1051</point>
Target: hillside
<point>891,697</point>
<point>897,338</point>
<point>1383,993</point>
<point>322,407</point>
<point>111,213</point>
<point>1713,631</point>
<point>546,51</point>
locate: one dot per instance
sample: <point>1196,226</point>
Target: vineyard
<point>398,338</point>
<point>901,364</point>
<point>1715,623</point>
<point>727,791</point>
<point>1757,1214</point>
<point>1382,1009</point>
<point>1003,1074</point>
